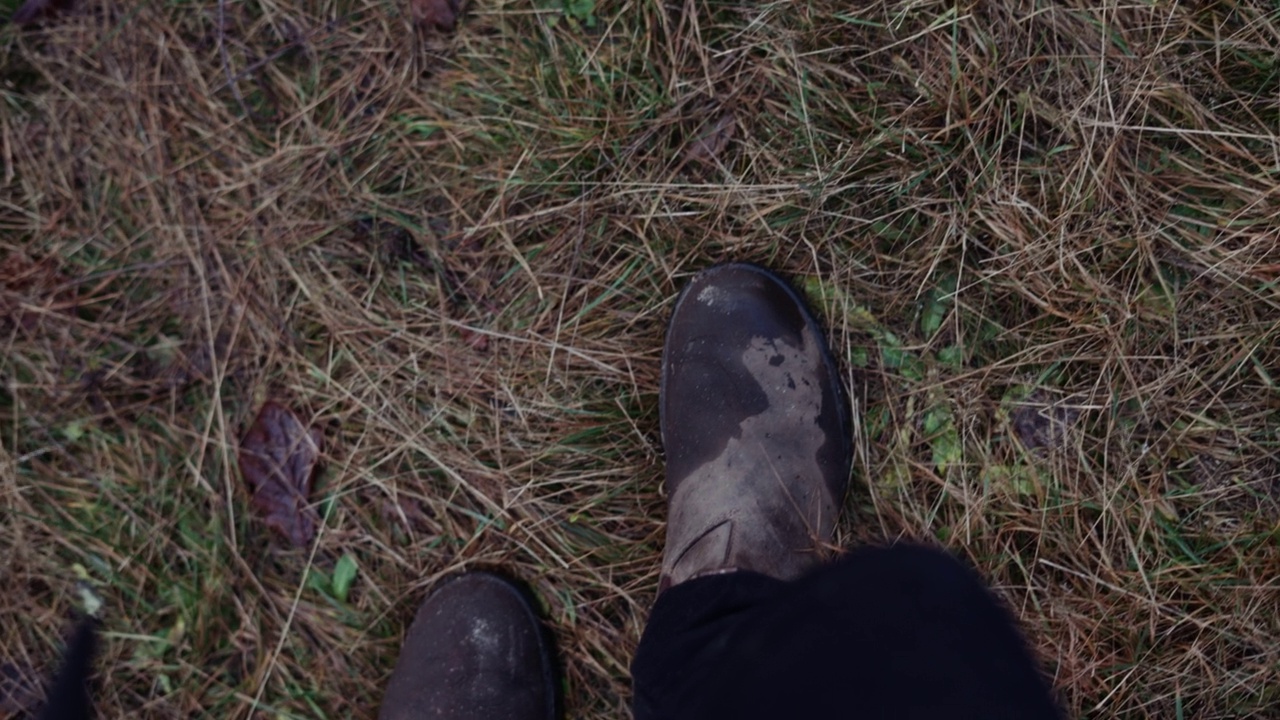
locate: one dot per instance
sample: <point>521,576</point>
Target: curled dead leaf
<point>1039,422</point>
<point>279,458</point>
<point>706,148</point>
<point>434,14</point>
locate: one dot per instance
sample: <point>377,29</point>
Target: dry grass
<point>1050,221</point>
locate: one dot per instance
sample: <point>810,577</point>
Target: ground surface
<point>1044,236</point>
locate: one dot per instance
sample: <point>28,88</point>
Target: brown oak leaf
<point>279,458</point>
<point>435,14</point>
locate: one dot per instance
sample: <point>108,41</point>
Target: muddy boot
<point>476,651</point>
<point>755,426</point>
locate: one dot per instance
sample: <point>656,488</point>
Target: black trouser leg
<point>69,693</point>
<point>902,633</point>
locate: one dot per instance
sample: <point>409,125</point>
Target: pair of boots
<point>757,437</point>
<point>756,429</point>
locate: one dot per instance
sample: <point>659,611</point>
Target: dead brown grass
<point>1053,222</point>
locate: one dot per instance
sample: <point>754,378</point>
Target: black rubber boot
<point>755,426</point>
<point>476,651</point>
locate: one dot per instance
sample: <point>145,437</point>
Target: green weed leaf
<point>944,439</point>
<point>318,580</point>
<point>951,355</point>
<point>1017,479</point>
<point>584,11</point>
<point>895,357</point>
<point>937,304</point>
<point>73,431</point>
<point>344,573</point>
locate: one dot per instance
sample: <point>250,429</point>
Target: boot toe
<point>475,650</point>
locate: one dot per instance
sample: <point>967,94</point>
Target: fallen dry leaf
<point>1040,423</point>
<point>708,146</point>
<point>279,458</point>
<point>434,14</point>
